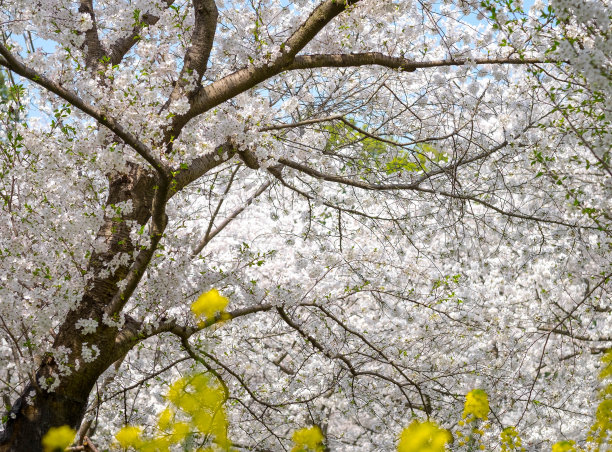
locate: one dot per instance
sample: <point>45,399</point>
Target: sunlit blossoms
<point>346,215</point>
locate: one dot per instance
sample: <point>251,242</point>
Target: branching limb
<point>200,166</point>
<point>246,78</point>
<point>375,348</point>
<point>349,366</point>
<point>10,62</point>
<point>94,50</point>
<point>575,336</point>
<point>147,378</point>
<point>210,235</point>
<point>360,130</point>
<point>415,186</point>
<point>213,217</point>
<point>196,57</point>
<point>310,197</point>
<point>306,122</point>
<point>170,326</point>
<point>195,357</point>
<point>401,64</point>
<point>123,45</point>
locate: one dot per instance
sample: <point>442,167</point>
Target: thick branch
<point>159,221</point>
<point>248,77</point>
<point>94,51</point>
<point>97,402</point>
<point>197,55</point>
<point>401,64</point>
<point>11,63</point>
<point>578,337</point>
<point>133,336</point>
<point>200,166</point>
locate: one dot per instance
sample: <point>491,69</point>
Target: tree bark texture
<point>37,409</point>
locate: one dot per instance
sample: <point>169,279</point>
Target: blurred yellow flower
<point>208,304</point>
<point>308,440</point>
<point>180,431</point>
<point>510,440</point>
<point>564,446</point>
<point>58,438</point>
<point>165,419</point>
<point>424,437</point>
<point>129,436</point>
<point>601,431</point>
<point>476,405</point>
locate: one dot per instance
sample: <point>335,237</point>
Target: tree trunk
<point>48,409</point>
<point>38,409</point>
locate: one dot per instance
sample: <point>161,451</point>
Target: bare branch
<point>373,347</point>
<point>300,123</point>
<point>349,366</point>
<point>240,380</point>
<point>213,217</point>
<point>278,175</point>
<point>147,378</point>
<point>551,331</point>
<point>577,337</point>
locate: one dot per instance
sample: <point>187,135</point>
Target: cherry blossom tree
<point>402,201</point>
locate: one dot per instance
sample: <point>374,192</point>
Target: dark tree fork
<point>149,187</point>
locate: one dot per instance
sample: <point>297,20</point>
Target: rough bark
<point>37,409</point>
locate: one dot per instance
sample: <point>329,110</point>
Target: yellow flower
<point>58,438</point>
<point>424,437</point>
<point>195,409</point>
<point>129,436</point>
<point>180,431</point>
<point>510,440</point>
<point>308,440</point>
<point>600,433</point>
<point>209,303</point>
<point>564,446</point>
<point>165,419</point>
<point>606,360</point>
<point>476,405</point>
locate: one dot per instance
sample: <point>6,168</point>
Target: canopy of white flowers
<point>402,201</point>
